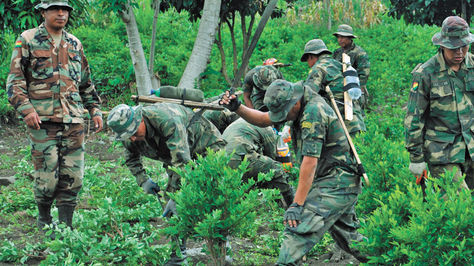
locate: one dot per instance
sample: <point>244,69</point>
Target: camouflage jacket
<point>220,119</point>
<point>439,125</point>
<point>56,83</point>
<point>170,138</point>
<point>318,133</point>
<point>328,72</point>
<point>244,138</point>
<point>359,61</point>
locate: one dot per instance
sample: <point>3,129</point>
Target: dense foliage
<point>117,223</point>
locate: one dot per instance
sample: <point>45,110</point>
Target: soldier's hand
<point>230,101</point>
<point>150,187</point>
<point>98,123</point>
<point>293,215</point>
<point>170,209</point>
<point>32,120</point>
<point>417,168</point>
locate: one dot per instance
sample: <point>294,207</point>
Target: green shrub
<point>406,230</point>
<point>213,203</point>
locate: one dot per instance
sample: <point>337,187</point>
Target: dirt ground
<point>13,141</point>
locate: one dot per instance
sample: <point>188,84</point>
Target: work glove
<point>234,104</point>
<point>417,168</point>
<point>150,187</point>
<point>170,209</point>
<point>293,213</point>
<point>419,171</point>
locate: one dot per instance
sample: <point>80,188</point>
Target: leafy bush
<point>213,203</point>
<point>407,230</point>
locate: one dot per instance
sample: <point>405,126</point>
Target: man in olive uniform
<point>328,184</point>
<point>164,131</point>
<point>49,85</point>
<point>256,82</point>
<point>359,58</point>
<point>439,125</point>
<point>258,146</point>
<point>326,71</point>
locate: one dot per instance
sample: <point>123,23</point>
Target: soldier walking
<point>329,182</point>
<point>439,124</point>
<point>49,85</point>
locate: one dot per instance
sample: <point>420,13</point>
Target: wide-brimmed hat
<point>454,33</point>
<point>265,75</point>
<point>45,4</point>
<point>344,30</point>
<point>280,97</point>
<point>315,46</point>
<point>124,120</point>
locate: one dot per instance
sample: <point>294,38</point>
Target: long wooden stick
<point>348,110</point>
<point>193,104</point>
<point>346,132</point>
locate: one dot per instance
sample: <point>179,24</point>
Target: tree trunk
<point>154,80</point>
<point>222,53</point>
<point>203,44</point>
<point>327,4</point>
<point>136,51</point>
<point>261,25</point>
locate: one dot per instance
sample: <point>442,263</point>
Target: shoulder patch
<point>414,86</point>
<point>18,44</point>
<point>306,124</point>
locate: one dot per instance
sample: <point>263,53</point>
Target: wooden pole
<point>346,132</point>
<point>192,104</point>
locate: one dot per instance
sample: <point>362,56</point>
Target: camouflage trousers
<point>466,168</point>
<point>324,210</point>
<point>58,156</point>
<point>263,164</point>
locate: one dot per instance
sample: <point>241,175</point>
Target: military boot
<point>44,218</point>
<point>65,214</point>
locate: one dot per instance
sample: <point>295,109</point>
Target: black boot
<point>44,215</point>
<point>65,214</point>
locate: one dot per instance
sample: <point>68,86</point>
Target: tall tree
<point>124,9</point>
<point>431,11</point>
<point>202,45</point>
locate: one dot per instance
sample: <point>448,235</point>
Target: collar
<point>468,62</point>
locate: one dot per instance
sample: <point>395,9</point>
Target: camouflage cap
<point>265,75</point>
<point>45,4</point>
<point>344,30</point>
<point>454,33</point>
<point>315,46</point>
<point>280,97</point>
<point>124,120</point>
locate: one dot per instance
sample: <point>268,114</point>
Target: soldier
<point>326,71</point>
<point>167,132</point>
<point>439,122</point>
<point>256,82</point>
<point>49,85</point>
<point>220,119</point>
<point>359,58</point>
<point>258,146</point>
<point>329,182</point>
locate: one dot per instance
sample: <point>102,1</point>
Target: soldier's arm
<point>173,130</point>
<point>363,67</point>
<point>133,160</point>
<point>315,80</point>
<point>87,90</point>
<point>415,118</point>
<point>17,86</point>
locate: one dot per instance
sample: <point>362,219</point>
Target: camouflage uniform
<point>359,60</point>
<point>55,83</point>
<point>329,205</point>
<point>439,125</point>
<point>256,82</point>
<point>170,138</point>
<point>258,146</point>
<point>220,119</point>
<point>328,72</point>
